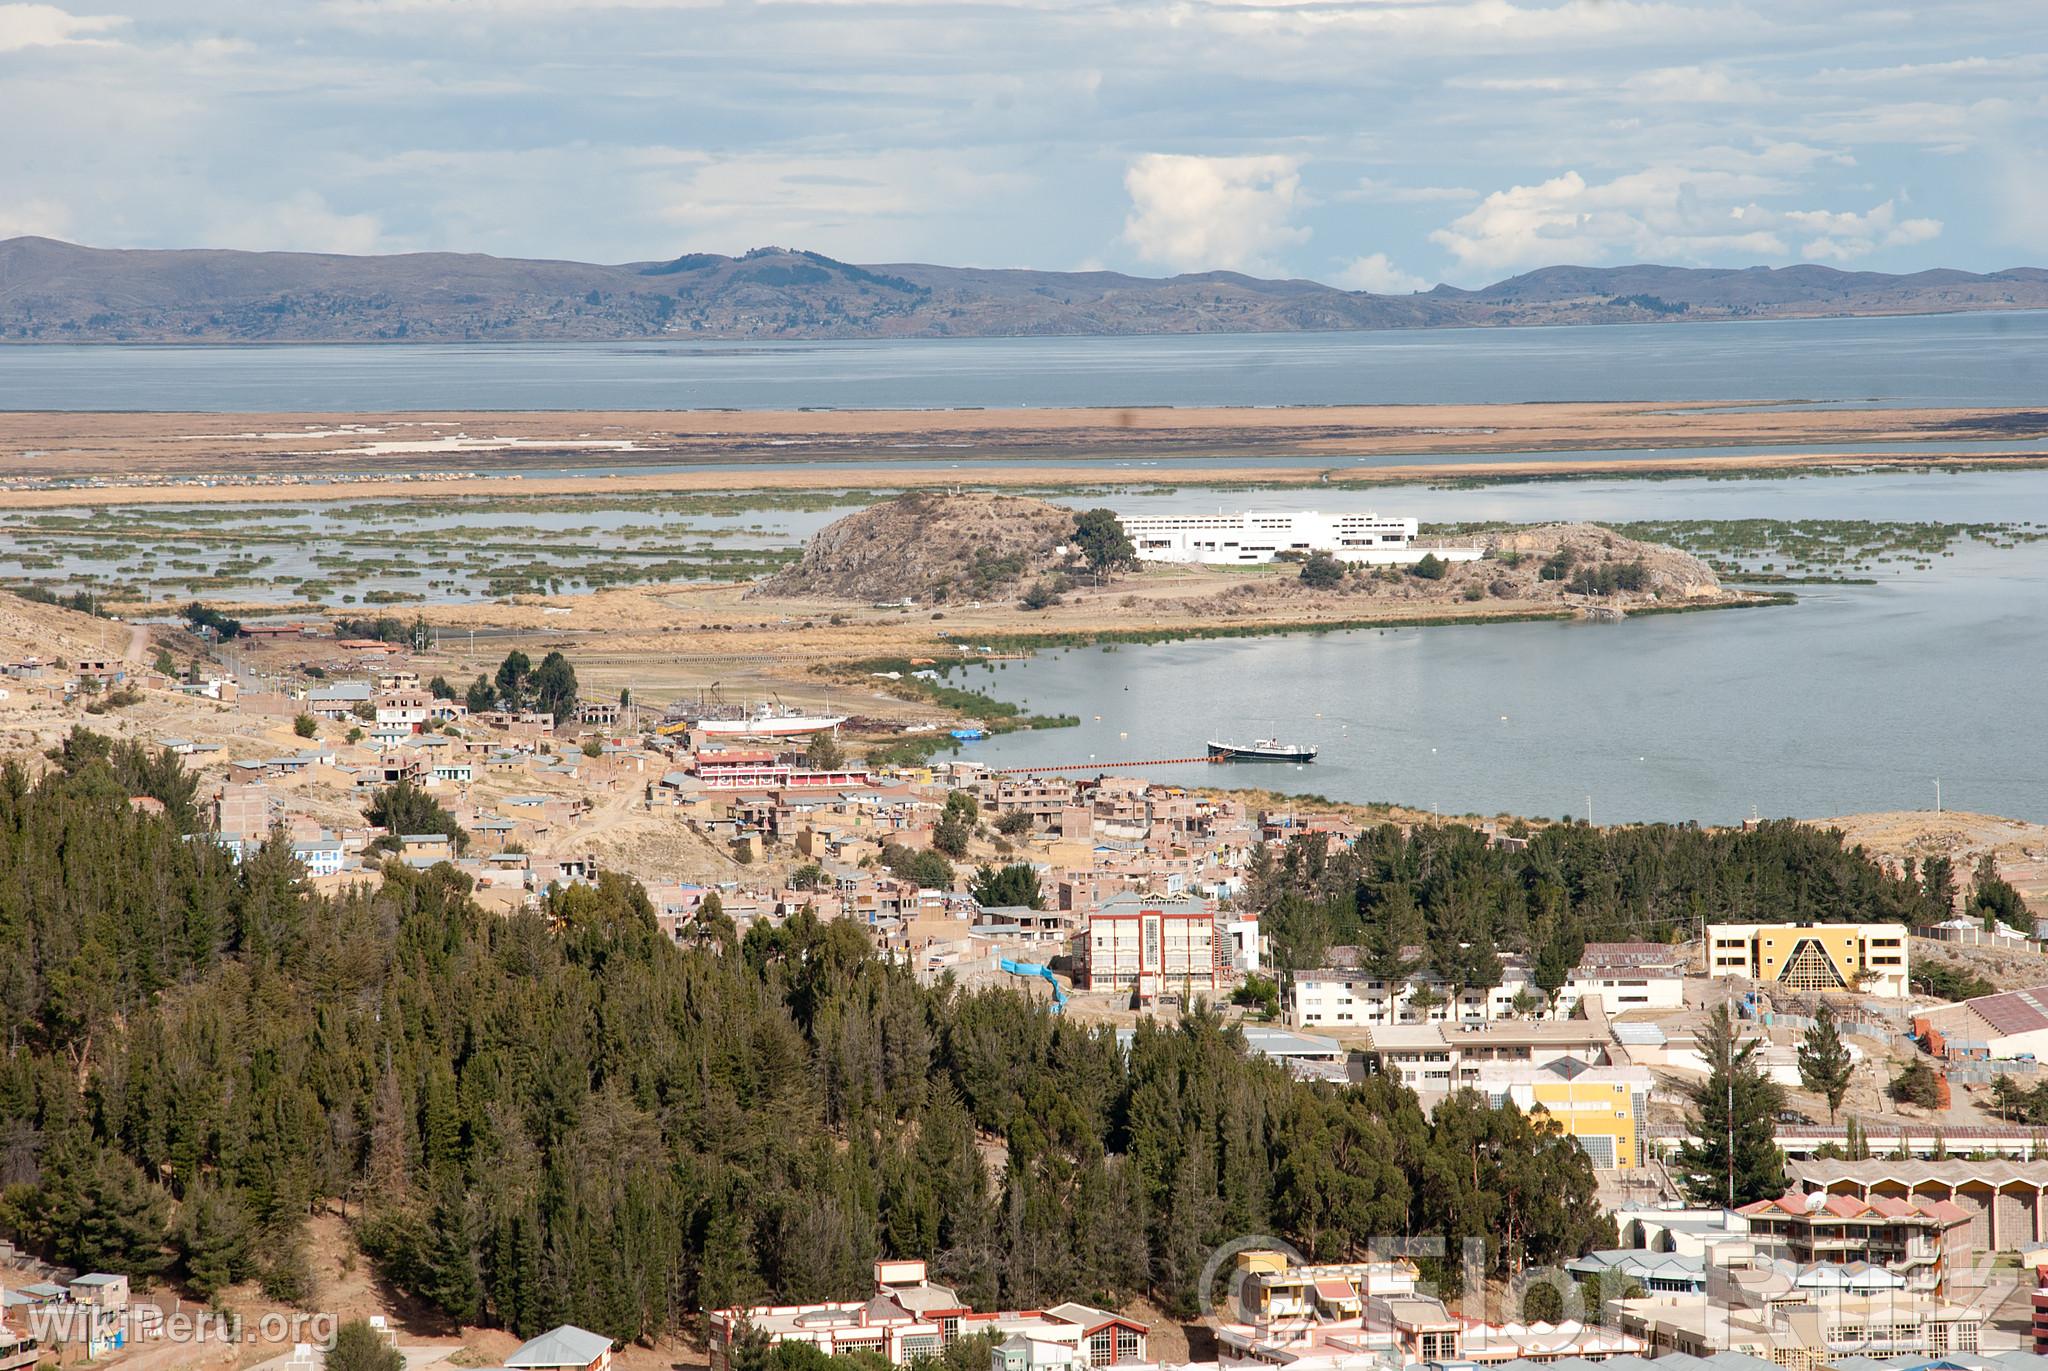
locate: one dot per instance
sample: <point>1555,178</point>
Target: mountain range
<point>54,292</point>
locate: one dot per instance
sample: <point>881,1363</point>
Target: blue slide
<point>1059,993</point>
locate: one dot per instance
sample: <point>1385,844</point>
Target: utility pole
<point>1730,1068</point>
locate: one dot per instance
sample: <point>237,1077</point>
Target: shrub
<point>305,725</point>
<point>1040,596</point>
<point>1321,571</point>
<point>1430,568</point>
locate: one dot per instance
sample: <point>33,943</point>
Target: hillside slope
<point>52,292</point>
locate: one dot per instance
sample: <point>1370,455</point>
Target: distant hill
<point>52,292</point>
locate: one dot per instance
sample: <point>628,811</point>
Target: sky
<point>1374,144</point>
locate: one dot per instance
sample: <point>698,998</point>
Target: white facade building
<point>1349,998</point>
<point>1259,536</point>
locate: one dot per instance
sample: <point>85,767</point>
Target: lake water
<point>1856,698</point>
<point>1963,359</point>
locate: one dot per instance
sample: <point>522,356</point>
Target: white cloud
<point>1651,214</point>
<point>1377,273</point>
<point>303,223</point>
<point>43,26</point>
<point>1843,237</point>
<point>1684,214</point>
<point>1213,213</point>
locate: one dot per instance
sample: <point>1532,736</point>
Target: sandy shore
<point>144,448</point>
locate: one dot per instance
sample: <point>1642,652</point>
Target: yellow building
<point>1601,1106</point>
<point>1868,959</point>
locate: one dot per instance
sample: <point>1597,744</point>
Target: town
<point>1114,903</point>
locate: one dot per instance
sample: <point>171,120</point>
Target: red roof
<point>1850,1207</point>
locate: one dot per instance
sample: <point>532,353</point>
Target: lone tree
<point>404,809</point>
<point>1825,1065</point>
<point>1104,545</point>
<point>823,753</point>
<point>1734,1157</point>
<point>1915,1084</point>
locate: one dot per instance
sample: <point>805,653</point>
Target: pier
<point>1096,766</point>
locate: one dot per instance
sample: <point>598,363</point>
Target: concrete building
<point>1869,959</point>
<point>2004,1203</point>
<point>1343,997</point>
<point>1920,1240</point>
<point>2001,1027</point>
<point>1444,1057</point>
<point>1150,947</point>
<point>1604,1107</point>
<point>1627,976</point>
<point>1261,536</point>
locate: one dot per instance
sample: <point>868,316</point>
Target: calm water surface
<point>1965,359</point>
<point>1853,699</point>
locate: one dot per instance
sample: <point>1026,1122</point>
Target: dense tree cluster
<point>564,1116</point>
<point>1462,901</point>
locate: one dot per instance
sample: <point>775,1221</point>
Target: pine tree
<point>215,1233</point>
<point>1825,1066</point>
<point>1733,1157</point>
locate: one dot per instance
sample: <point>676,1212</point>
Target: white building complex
<point>1248,538</point>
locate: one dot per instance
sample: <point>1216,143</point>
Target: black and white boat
<point>1264,750</point>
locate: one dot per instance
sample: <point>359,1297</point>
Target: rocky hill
<point>1521,555</point>
<point>931,548</point>
<point>52,292</point>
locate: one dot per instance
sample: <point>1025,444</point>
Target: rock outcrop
<point>931,548</point>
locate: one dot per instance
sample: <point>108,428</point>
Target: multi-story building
<point>1919,1240</point>
<point>1343,997</point>
<point>1604,1107</point>
<point>1150,947</point>
<point>1626,976</point>
<point>2005,1201</point>
<point>1443,1057</point>
<point>1868,959</point>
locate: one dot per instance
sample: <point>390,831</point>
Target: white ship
<point>766,721</point>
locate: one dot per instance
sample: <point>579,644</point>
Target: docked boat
<point>1264,750</point>
<point>768,719</point>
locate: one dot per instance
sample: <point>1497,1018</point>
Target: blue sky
<point>1379,144</point>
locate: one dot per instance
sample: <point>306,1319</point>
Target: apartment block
<point>1150,947</point>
